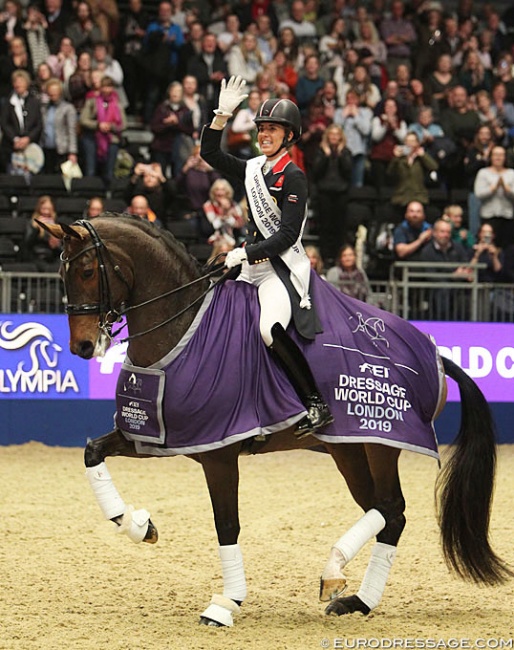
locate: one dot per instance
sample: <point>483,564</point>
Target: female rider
<point>273,258</point>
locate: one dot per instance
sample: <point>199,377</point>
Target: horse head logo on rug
<point>41,372</point>
<point>133,384</point>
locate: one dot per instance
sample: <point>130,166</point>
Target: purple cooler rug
<point>378,373</point>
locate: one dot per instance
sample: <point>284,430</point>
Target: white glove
<point>235,258</point>
<point>231,95</point>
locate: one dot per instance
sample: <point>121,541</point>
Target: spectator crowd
<point>400,100</point>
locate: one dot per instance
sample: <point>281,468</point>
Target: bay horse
<point>121,266</point>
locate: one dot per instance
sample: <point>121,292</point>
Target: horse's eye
<point>88,273</point>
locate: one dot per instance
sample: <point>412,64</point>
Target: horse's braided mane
<point>177,247</point>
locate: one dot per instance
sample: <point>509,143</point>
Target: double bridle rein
<point>108,312</point>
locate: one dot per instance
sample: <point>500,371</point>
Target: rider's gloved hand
<point>231,95</point>
<point>235,258</point>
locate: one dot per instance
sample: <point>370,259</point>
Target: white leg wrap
<point>365,529</point>
<point>234,581</point>
<point>375,578</point>
<point>106,494</point>
<point>221,610</point>
<point>347,547</point>
<point>134,524</point>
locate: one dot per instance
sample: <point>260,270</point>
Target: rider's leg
<point>275,316</point>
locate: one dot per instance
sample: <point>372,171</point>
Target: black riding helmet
<point>281,111</point>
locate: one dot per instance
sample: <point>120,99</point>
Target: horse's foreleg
<point>135,524</point>
<point>222,475</point>
<point>374,483</point>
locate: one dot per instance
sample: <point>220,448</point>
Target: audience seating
<point>51,184</point>
<point>87,186</point>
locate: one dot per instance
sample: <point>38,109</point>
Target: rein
<point>105,307</point>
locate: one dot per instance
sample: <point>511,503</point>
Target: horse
<point>121,267</point>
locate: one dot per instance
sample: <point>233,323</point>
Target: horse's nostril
<point>86,349</point>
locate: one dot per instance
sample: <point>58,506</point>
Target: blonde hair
<point>314,251</point>
<point>224,184</point>
<point>453,210</point>
<point>44,199</point>
<point>342,136</point>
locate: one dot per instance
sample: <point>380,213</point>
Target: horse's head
<point>97,281</point>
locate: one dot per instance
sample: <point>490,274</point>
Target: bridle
<point>107,311</point>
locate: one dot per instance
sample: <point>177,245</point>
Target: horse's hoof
<point>209,622</point>
<point>348,605</point>
<point>331,589</point>
<point>152,535</point>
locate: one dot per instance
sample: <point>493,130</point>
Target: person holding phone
<point>485,251</point>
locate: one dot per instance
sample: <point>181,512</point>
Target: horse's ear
<point>60,230</point>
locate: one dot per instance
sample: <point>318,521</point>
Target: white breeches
<point>273,297</point>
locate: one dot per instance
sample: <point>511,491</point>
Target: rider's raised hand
<point>232,93</point>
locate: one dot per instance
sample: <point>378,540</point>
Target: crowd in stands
<point>401,101</point>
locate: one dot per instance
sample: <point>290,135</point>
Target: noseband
<point>109,314</point>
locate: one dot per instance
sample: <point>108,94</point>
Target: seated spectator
<point>172,128</point>
<point>58,18</point>
<point>245,60</point>
<point>17,58</point>
<point>412,234</point>
<point>372,52</point>
<point>150,182</point>
<point>41,247</point>
<point>139,207</point>
<point>59,136</point>
<point>368,93</point>
<point>133,24</point>
<point>455,215</point>
<point>309,83</point>
<point>266,39</point>
<point>487,115</point>
<point>473,76</point>
<point>283,71</point>
<point>80,82</point>
<point>503,111</point>
<point>161,47</point>
<point>347,277</point>
<point>231,35</point>
<point>64,63</point>
<point>356,123</point>
<point>94,207</point>
<point>102,61</point>
<point>242,135</point>
<point>441,81</point>
<point>486,252</point>
<point>196,104</point>
<point>20,119</point>
<point>408,171</point>
<point>460,123</point>
<point>331,177</point>
<point>494,187</point>
<point>399,35</point>
<point>332,45</point>
<point>83,31</point>
<point>317,264</point>
<point>290,46</point>
<point>314,125</point>
<point>195,181</point>
<point>38,87</point>
<point>387,131</point>
<point>11,24</point>
<point>105,14</point>
<point>35,36</point>
<point>303,29</point>
<point>224,214</point>
<point>102,121</point>
<point>209,68</point>
<point>192,47</point>
<point>504,73</point>
<point>425,128</point>
<point>443,301</point>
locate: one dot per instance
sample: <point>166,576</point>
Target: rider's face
<point>270,137</point>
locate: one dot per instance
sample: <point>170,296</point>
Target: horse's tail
<point>465,488</point>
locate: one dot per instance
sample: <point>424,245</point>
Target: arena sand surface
<point>69,582</point>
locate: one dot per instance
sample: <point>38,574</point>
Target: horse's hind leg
<point>135,524</point>
<point>372,477</point>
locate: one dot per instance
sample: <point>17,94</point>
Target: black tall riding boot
<point>298,371</point>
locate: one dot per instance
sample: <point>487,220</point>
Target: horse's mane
<point>176,247</point>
